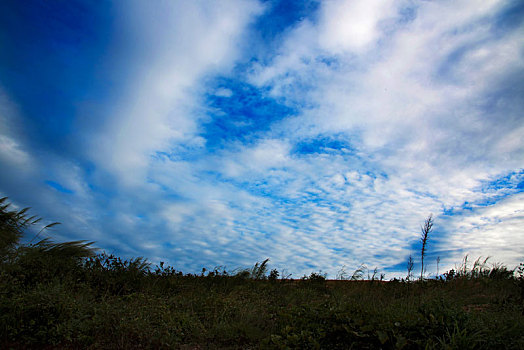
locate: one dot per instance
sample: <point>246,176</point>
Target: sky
<point>318,134</point>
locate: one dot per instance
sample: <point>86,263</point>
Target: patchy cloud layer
<point>318,136</point>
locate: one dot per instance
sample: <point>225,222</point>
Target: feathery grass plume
<point>359,273</point>
<point>480,269</point>
<point>342,274</point>
<point>12,226</point>
<point>410,268</point>
<point>259,271</point>
<point>499,271</point>
<point>463,270</point>
<point>426,229</point>
<point>38,261</point>
<point>43,229</point>
<point>73,249</point>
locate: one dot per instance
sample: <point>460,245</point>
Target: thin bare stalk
<point>426,229</point>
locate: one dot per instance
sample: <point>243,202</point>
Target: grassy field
<point>63,296</point>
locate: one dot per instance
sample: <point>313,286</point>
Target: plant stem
<point>426,229</point>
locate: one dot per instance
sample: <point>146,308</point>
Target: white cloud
<point>494,230</point>
<point>223,92</point>
<point>351,25</point>
<point>264,156</point>
<point>405,111</point>
<point>12,151</point>
<point>177,44</point>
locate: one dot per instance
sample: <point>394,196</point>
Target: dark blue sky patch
<point>321,144</point>
<point>402,266</point>
<point>49,53</point>
<point>241,116</point>
<point>332,62</point>
<point>179,153</point>
<point>282,15</point>
<point>466,206</point>
<point>169,245</point>
<point>58,187</point>
<point>381,256</point>
<point>423,194</point>
<point>448,211</point>
<point>310,265</point>
<point>509,181</point>
<point>510,18</point>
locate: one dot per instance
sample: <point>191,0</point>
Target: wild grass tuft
<point>480,269</point>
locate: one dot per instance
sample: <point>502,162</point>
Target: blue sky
<point>317,134</point>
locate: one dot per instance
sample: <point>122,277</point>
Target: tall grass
<point>481,269</point>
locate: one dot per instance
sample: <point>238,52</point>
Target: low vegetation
<point>66,295</point>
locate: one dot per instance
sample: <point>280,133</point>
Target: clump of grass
<point>480,269</point>
<point>257,272</point>
<point>358,274</point>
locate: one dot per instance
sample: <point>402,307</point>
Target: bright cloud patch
<point>318,135</point>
